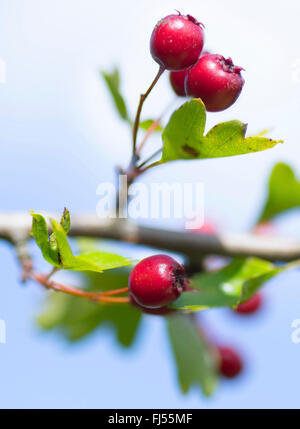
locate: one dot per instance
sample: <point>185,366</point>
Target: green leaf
<point>40,233</point>
<point>229,286</point>
<point>195,359</point>
<point>284,192</point>
<point>75,318</point>
<point>183,136</point>
<point>228,139</point>
<point>66,220</point>
<point>56,249</point>
<point>113,83</point>
<point>145,125</point>
<point>93,261</point>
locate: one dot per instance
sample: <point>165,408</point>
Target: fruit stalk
<point>138,113</point>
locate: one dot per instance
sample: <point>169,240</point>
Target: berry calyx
<point>216,80</point>
<point>230,362</point>
<point>251,306</point>
<point>177,42</point>
<point>156,281</point>
<point>177,82</point>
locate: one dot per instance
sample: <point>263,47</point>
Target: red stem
<point>139,110</point>
<point>94,296</point>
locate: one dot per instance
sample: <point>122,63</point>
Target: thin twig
<point>93,296</point>
<point>139,110</point>
<point>149,159</point>
<point>196,245</point>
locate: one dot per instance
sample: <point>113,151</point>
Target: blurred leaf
<point>75,318</point>
<point>284,192</point>
<point>145,125</point>
<point>183,136</point>
<point>195,359</point>
<point>56,249</point>
<point>229,286</point>
<point>113,83</point>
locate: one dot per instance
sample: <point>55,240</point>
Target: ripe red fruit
<point>251,306</point>
<point>156,281</point>
<point>176,42</point>
<point>217,81</point>
<point>177,82</point>
<point>230,362</point>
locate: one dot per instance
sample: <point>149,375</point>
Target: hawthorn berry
<point>251,306</point>
<point>177,42</point>
<point>177,79</point>
<point>156,281</point>
<point>216,80</point>
<point>230,362</point>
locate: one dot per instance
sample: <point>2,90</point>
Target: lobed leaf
<point>183,136</point>
<point>229,286</point>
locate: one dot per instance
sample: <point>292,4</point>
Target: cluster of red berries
<point>176,45</point>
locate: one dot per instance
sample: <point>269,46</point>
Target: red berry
<point>217,81</point>
<point>251,306</point>
<point>230,362</point>
<point>207,228</point>
<point>177,81</point>
<point>176,42</point>
<point>265,228</point>
<point>156,281</point>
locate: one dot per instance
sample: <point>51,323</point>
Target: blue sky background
<point>60,138</point>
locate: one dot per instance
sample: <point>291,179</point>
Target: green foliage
<point>229,286</point>
<point>56,249</point>
<point>75,318</point>
<point>183,136</point>
<point>48,245</point>
<point>284,192</point>
<point>195,359</point>
<point>113,83</point>
<point>145,125</point>
<point>66,220</point>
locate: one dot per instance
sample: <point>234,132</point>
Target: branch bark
<point>16,226</point>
